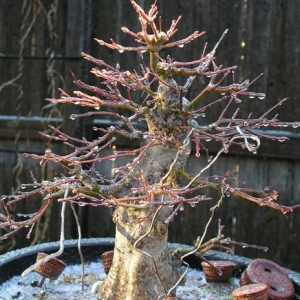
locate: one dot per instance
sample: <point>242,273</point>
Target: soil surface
<point>68,286</point>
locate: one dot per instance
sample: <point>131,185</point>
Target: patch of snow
<point>68,286</point>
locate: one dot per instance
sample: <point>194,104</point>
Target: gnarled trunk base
<point>132,274</point>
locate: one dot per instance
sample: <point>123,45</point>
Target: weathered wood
<point>35,57</point>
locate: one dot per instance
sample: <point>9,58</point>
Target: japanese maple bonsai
<point>147,192</point>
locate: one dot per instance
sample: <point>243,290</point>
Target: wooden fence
<point>41,41</point>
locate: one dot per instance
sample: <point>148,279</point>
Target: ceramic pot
<point>107,258</point>
<point>51,268</point>
<point>280,286</point>
<point>256,291</point>
<point>218,271</point>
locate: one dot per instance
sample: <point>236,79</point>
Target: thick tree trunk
<point>133,274</point>
<point>143,267</point>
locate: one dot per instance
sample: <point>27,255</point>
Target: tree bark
<point>143,267</point>
<point>133,275</point>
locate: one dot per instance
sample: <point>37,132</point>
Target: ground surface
<point>67,286</point>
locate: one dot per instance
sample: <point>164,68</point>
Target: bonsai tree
<point>149,191</point>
